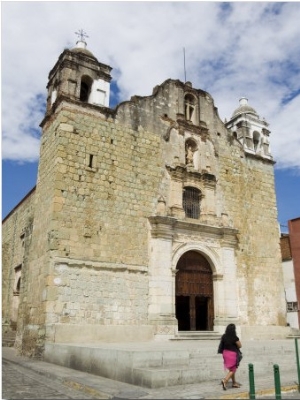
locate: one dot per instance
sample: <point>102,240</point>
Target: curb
<point>262,392</point>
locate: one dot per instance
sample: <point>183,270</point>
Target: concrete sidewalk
<point>103,388</point>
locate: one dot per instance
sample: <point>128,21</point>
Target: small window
<point>90,162</point>
<point>22,237</point>
<point>191,202</point>
<point>100,95</point>
<point>91,157</point>
<point>256,140</point>
<point>189,107</point>
<point>17,283</point>
<point>292,306</point>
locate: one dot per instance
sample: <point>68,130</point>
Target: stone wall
<point>249,199</point>
<point>99,256</point>
<point>106,183</point>
<point>16,228</point>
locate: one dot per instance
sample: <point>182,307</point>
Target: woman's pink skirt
<point>230,359</point>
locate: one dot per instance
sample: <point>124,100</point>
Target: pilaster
<point>161,310</point>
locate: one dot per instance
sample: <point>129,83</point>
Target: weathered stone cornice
<point>62,100</point>
<point>198,227</point>
<point>162,227</point>
<point>184,173</point>
<point>96,265</point>
<point>261,158</point>
<point>184,125</point>
<point>167,227</point>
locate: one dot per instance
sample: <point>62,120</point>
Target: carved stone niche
<point>161,206</point>
<point>190,149</point>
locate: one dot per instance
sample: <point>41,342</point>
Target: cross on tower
<point>81,35</point>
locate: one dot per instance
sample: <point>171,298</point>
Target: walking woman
<point>230,345</point>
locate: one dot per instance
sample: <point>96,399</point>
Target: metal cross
<point>81,35</point>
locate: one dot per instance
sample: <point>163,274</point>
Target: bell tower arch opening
<point>194,293</point>
<point>78,75</point>
<point>85,88</point>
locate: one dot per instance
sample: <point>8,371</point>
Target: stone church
<point>147,220</point>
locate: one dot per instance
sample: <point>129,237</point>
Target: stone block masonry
<point>129,199</point>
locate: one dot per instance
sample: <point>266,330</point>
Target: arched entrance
<point>194,293</point>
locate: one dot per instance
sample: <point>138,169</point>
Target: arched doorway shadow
<point>194,293</point>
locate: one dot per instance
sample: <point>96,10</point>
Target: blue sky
<point>232,50</point>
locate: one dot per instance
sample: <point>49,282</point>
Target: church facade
<point>147,220</point>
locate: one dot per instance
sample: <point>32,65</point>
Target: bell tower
<point>78,75</point>
<point>250,130</point>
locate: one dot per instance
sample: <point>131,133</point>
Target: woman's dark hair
<point>230,330</point>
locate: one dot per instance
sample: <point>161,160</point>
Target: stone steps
<point>197,335</point>
<point>208,368</point>
<point>160,364</point>
<point>295,334</point>
<point>179,375</point>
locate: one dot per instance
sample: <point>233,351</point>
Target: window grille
<point>191,202</point>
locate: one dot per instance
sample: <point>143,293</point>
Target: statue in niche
<point>189,156</point>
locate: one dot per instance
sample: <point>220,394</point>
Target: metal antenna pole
<point>184,65</point>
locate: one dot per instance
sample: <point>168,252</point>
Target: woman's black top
<point>229,343</point>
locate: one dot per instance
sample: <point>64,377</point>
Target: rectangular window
<point>191,202</point>
<point>292,306</point>
<point>100,97</point>
<point>90,162</point>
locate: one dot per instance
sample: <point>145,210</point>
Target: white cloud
<point>232,50</point>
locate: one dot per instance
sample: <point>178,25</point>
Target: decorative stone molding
<point>162,227</point>
<point>229,237</point>
<point>211,255</point>
<point>61,262</point>
<point>188,175</point>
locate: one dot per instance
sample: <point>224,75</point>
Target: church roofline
<point>18,205</point>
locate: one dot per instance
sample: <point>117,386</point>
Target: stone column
<point>161,285</point>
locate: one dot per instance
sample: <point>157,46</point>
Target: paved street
<point>21,383</point>
<point>293,395</point>
<point>27,378</point>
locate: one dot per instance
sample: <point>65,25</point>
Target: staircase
<point>197,335</point>
<point>174,362</point>
<point>295,333</point>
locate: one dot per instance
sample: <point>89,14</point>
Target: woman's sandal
<point>236,385</point>
<point>223,384</point>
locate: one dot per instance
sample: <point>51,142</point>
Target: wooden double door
<point>194,293</point>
